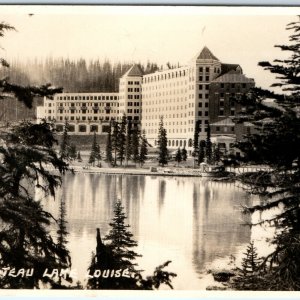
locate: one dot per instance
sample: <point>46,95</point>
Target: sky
<point>159,34</point>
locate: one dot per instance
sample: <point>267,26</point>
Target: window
<point>207,87</point>
<point>206,114</point>
<point>199,113</point>
<point>222,85</point>
<point>206,96</point>
<point>200,86</point>
<point>200,69</point>
<point>217,128</point>
<point>199,104</point>
<point>82,128</point>
<point>207,78</point>
<point>200,78</point>
<point>207,69</point>
<point>200,96</point>
<point>206,104</point>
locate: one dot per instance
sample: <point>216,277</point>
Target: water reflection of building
<point>217,218</point>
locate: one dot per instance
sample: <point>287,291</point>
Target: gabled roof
<point>134,71</point>
<point>206,54</point>
<point>225,122</point>
<point>233,76</point>
<point>225,68</point>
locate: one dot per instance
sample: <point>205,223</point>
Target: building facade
<point>187,98</point>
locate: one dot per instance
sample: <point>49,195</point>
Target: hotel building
<point>188,98</point>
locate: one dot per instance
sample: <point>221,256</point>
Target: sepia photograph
<point>149,148</point>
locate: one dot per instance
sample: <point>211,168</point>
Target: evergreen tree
<point>216,155</point>
<point>178,156</point>
<point>121,241</point>
<point>196,139</point>
<point>73,151</point>
<point>79,156</point>
<point>62,234</point>
<point>162,144</point>
<point>184,154</point>
<point>208,145</point>
<point>143,149</point>
<point>65,143</point>
<point>95,151</point>
<point>109,157</point>
<point>276,143</point>
<point>250,276</point>
<point>117,254</point>
<point>135,145</point>
<point>121,140</point>
<point>114,141</point>
<point>128,148</point>
<point>201,155</point>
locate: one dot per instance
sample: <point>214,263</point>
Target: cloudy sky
<point>158,34</point>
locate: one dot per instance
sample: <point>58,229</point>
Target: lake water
<point>196,223</point>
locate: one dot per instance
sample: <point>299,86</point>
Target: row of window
<point>78,104</point>
<point>134,97</point>
<point>87,97</point>
<point>135,111</point>
<point>133,82</point>
<point>95,111</point>
<point>133,104</point>
<point>174,74</point>
<point>130,90</point>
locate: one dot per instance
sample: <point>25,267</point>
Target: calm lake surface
<point>193,222</point>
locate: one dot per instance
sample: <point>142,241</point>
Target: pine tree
<point>162,144</point>
<point>95,152</point>
<point>143,149</point>
<point>109,157</point>
<point>128,148</point>
<point>196,139</point>
<point>208,145</point>
<point>201,155</point>
<point>117,254</point>
<point>276,143</point>
<point>79,156</point>
<point>216,154</point>
<point>135,145</point>
<point>114,141</point>
<point>178,156</point>
<point>121,140</point>
<point>65,143</point>
<point>120,239</point>
<point>250,276</point>
<point>62,234</point>
<point>184,154</point>
<point>73,151</point>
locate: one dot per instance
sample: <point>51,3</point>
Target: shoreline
<point>130,171</point>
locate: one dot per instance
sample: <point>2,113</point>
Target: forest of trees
<point>73,75</point>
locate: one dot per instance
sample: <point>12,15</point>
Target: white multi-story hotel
<point>181,96</point>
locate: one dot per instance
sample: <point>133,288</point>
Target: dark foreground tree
<point>143,149</point>
<point>277,144</point>
<point>65,143</point>
<point>184,154</point>
<point>108,150</point>
<point>115,263</point>
<point>27,155</point>
<point>201,154</point>
<point>178,156</point>
<point>250,275</point>
<point>95,154</point>
<point>163,154</point>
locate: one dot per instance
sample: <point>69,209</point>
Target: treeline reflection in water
<point>190,221</point>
